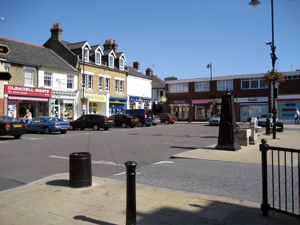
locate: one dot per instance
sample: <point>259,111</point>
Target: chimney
<point>56,32</point>
<point>149,72</point>
<point>115,46</point>
<point>108,44</point>
<point>136,65</point>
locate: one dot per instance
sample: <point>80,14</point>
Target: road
<point>38,155</point>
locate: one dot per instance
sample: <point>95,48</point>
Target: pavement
<point>51,201</point>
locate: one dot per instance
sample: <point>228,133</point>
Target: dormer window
<point>98,58</point>
<point>121,63</point>
<point>86,54</point>
<point>111,61</point>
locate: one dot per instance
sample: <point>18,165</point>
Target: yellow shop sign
<point>95,98</point>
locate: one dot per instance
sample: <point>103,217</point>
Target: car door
<point>37,125</point>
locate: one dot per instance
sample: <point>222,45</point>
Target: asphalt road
<point>35,156</point>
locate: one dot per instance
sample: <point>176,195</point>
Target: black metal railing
<point>280,179</point>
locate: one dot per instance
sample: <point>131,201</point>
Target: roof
<point>157,82</point>
<point>133,72</point>
<point>34,55</point>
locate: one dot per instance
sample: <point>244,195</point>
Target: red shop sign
<point>29,91</point>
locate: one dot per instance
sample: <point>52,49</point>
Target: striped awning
<point>27,98</point>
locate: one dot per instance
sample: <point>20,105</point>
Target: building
<point>138,88</point>
<point>36,73</point>
<point>200,98</point>
<point>102,82</point>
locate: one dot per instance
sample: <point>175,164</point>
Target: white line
<point>93,161</point>
<point>163,162</point>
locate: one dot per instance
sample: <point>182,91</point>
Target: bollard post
<point>130,193</point>
<point>265,206</point>
<point>268,126</point>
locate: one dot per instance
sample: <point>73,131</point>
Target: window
<point>178,88</point>
<point>100,83</point>
<point>47,79</point>
<point>117,86</point>
<point>254,83</point>
<point>202,86</point>
<point>29,75</point>
<point>98,58</point>
<point>85,54</point>
<point>121,62</point>
<point>70,82</point>
<point>90,82</point>
<point>223,85</point>
<point>111,61</point>
<point>6,67</point>
<point>161,93</point>
<point>121,86</point>
<point>107,84</point>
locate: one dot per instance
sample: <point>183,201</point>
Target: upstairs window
<point>121,86</point>
<point>47,79</point>
<point>111,61</point>
<point>90,82</point>
<point>86,54</point>
<point>98,58</point>
<point>70,82</point>
<point>223,85</point>
<point>254,83</point>
<point>117,86</point>
<point>100,83</point>
<point>178,88</point>
<point>202,86</point>
<point>29,76</point>
<point>121,62</point>
<point>107,86</point>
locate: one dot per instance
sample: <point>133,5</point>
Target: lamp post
<point>209,66</point>
<point>254,3</point>
<point>83,86</point>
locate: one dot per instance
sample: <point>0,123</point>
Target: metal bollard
<point>268,127</point>
<point>131,193</point>
<point>80,170</point>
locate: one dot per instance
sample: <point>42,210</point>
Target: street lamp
<point>254,3</point>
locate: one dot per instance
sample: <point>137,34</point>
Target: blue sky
<point>173,37</point>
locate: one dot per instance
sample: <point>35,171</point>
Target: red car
<point>166,118</point>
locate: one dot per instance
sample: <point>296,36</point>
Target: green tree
<point>171,78</point>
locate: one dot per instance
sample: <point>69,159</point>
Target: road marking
<point>2,142</point>
<point>28,138</point>
<point>163,162</point>
<point>93,161</point>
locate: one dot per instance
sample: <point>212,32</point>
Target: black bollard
<point>268,126</point>
<point>131,193</point>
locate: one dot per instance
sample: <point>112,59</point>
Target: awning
<point>27,98</point>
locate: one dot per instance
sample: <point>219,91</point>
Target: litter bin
<point>279,127</point>
<point>80,170</point>
<point>189,119</point>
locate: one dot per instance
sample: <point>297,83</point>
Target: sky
<point>172,37</point>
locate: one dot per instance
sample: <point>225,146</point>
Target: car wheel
<point>82,128</point>
<point>95,127</point>
<point>148,125</point>
<point>140,124</point>
<point>124,125</point>
<point>154,124</point>
<point>166,122</point>
<point>106,128</point>
<point>72,127</point>
<point>132,126</point>
<point>17,136</point>
<point>63,132</point>
<point>47,130</point>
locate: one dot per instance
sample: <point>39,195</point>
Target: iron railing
<point>280,179</point>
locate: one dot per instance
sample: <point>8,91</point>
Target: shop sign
<point>95,98</point>
<point>200,101</point>
<point>179,101</point>
<point>29,91</point>
<point>133,99</point>
<point>253,99</point>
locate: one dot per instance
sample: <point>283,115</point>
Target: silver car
<point>215,120</point>
<point>262,120</point>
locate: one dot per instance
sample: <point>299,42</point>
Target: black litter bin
<point>80,170</point>
<point>279,127</point>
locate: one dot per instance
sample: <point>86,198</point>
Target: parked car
<point>156,120</point>
<point>145,115</point>
<point>215,120</point>
<point>47,125</point>
<point>93,121</point>
<point>166,118</point>
<point>262,120</point>
<point>125,120</point>
<point>9,126</point>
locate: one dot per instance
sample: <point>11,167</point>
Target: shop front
<point>96,104</point>
<point>20,98</point>
<point>62,105</point>
<point>252,107</point>
<point>286,107</point>
<point>116,105</point>
<point>139,102</point>
<point>203,109</point>
<point>180,108</point>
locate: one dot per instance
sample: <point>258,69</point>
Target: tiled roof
<point>157,82</point>
<point>34,55</point>
<point>133,72</point>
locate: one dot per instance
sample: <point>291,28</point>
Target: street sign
<point>5,76</point>
<point>4,49</point>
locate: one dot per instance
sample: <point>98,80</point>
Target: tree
<point>171,78</point>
